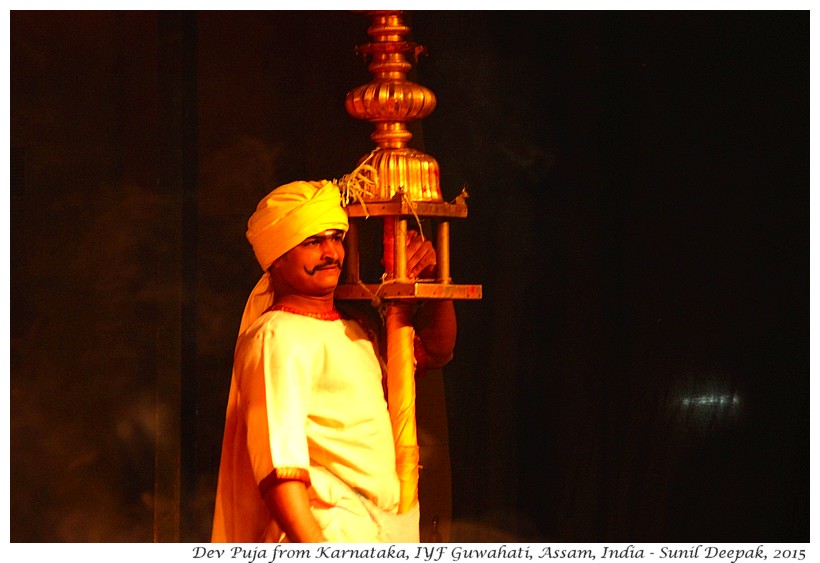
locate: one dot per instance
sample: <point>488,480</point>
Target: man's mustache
<point>324,266</point>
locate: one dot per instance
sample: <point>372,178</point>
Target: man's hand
<point>435,321</point>
<point>288,501</point>
<point>421,256</point>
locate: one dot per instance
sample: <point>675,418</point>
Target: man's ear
<point>278,262</point>
<point>275,265</point>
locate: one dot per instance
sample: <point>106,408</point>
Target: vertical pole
<point>400,249</point>
<point>443,251</point>
<point>401,400</point>
<point>401,382</point>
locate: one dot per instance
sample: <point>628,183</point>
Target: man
<point>308,451</point>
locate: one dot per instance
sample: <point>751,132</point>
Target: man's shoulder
<point>270,325</point>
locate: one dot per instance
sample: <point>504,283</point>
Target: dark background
<point>638,369</point>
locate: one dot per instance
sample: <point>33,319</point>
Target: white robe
<point>307,401</point>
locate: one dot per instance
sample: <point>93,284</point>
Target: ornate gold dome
<point>390,101</point>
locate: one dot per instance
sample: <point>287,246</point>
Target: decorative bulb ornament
<point>390,101</point>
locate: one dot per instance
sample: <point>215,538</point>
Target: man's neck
<point>305,303</point>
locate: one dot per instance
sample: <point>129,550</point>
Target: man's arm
<point>435,324</point>
<point>289,504</point>
<point>273,382</point>
<point>435,321</point>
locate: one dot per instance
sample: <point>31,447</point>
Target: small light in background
<point>712,400</point>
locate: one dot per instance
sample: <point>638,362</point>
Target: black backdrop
<point>638,369</point>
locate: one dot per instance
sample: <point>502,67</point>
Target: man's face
<point>313,266</point>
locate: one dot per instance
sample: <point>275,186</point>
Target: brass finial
<point>390,101</point>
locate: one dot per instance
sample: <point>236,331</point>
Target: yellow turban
<point>284,218</point>
<point>290,214</point>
